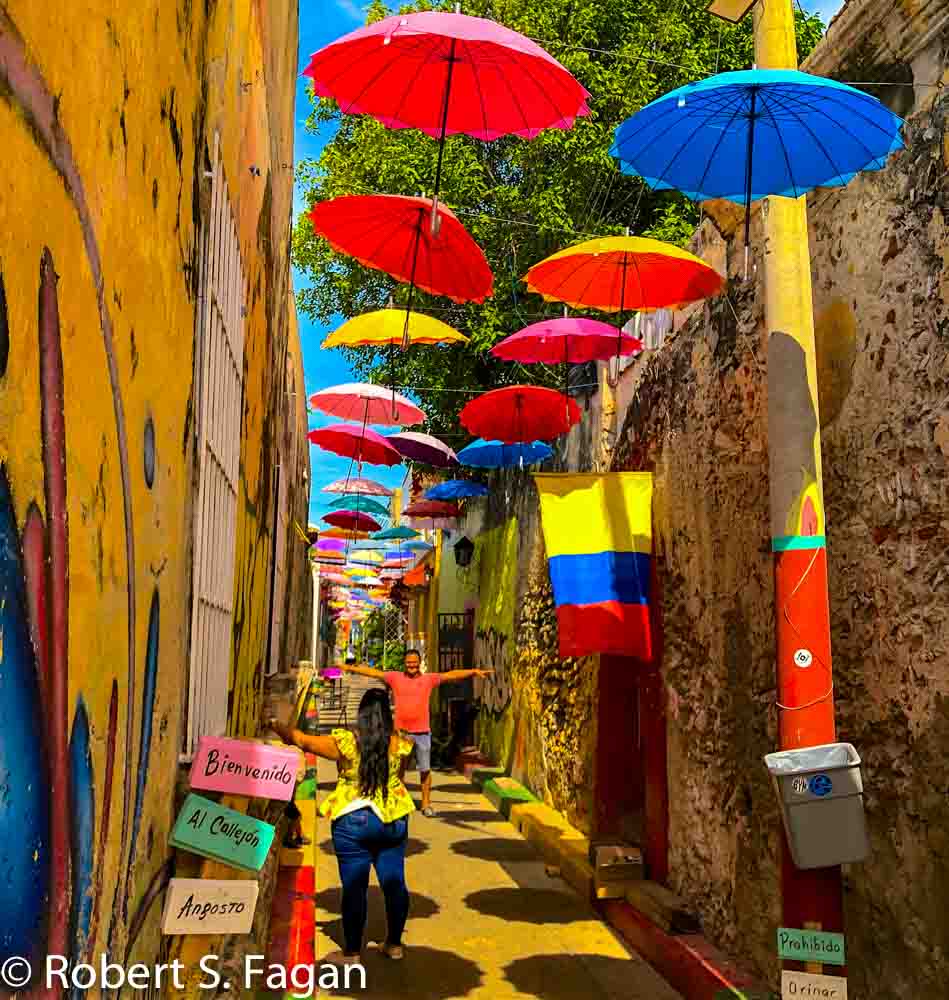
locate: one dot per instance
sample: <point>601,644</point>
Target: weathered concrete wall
<point>107,114</point>
<point>879,250</point>
<point>538,714</point>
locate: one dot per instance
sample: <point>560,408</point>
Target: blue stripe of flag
<point>601,576</point>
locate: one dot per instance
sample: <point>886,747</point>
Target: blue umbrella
<point>396,532</point>
<point>495,455</point>
<point>455,489</point>
<point>417,546</point>
<point>755,133</point>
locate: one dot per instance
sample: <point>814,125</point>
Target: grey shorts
<point>422,754</point>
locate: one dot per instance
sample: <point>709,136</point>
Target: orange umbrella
<point>616,273</point>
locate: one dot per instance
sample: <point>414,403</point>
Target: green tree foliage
<point>521,200</point>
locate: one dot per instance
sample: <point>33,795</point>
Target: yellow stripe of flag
<point>584,513</point>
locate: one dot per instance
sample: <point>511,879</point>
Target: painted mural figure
<point>413,691</point>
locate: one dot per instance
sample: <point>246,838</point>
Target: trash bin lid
<point>820,758</point>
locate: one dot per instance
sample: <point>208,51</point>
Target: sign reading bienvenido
<point>214,831</point>
<point>239,767</point>
<point>811,946</point>
<point>209,906</point>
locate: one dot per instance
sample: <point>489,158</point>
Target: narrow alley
<point>486,920</point>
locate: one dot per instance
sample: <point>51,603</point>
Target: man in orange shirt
<point>412,690</point>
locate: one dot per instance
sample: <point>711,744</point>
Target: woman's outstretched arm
<point>322,746</point>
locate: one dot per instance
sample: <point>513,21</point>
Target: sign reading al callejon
<point>239,767</point>
<point>213,831</point>
<point>209,906</point>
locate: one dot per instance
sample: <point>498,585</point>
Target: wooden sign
<point>811,946</point>
<point>807,986</point>
<point>239,767</point>
<point>213,831</point>
<point>209,906</point>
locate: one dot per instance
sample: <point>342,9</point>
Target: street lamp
<point>731,11</point>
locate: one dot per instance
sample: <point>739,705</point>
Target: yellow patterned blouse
<point>347,797</point>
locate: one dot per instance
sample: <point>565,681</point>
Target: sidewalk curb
<point>688,962</point>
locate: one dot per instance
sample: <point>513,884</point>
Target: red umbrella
<point>520,413</point>
<point>431,508</point>
<point>447,74</point>
<point>392,233</point>
<point>358,443</point>
<point>353,519</point>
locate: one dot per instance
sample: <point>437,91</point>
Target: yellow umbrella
<point>616,273</point>
<point>387,326</point>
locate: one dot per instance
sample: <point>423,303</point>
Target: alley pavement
<point>486,921</point>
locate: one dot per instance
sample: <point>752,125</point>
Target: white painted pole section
<point>315,638</point>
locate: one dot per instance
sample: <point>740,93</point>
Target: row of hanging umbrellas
<point>740,136</point>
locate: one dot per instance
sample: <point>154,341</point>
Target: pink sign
<point>243,768</point>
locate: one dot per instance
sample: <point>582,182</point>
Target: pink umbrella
<point>447,74</point>
<point>366,487</point>
<point>569,340</point>
<point>423,448</point>
<point>354,520</point>
<point>358,443</point>
<point>369,404</point>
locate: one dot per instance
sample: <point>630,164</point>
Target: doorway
<point>631,793</point>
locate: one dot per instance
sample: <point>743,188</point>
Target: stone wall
<point>879,250</point>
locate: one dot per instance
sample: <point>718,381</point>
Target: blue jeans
<point>362,841</point>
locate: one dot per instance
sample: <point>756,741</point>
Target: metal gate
<point>455,641</point>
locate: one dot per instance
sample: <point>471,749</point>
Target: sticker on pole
<point>803,658</point>
<point>821,785</point>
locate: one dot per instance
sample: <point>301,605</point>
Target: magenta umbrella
<point>368,404</point>
<point>331,545</point>
<point>446,74</point>
<point>568,340</point>
<point>352,520</point>
<point>358,443</point>
<point>365,487</point>
<point>423,448</point>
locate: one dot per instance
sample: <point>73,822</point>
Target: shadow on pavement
<point>424,974</point>
<point>498,849</point>
<point>413,846</point>
<point>531,906</point>
<point>331,900</point>
<point>569,977</point>
<point>467,819</point>
<point>461,788</point>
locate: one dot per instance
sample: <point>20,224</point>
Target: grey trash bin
<point>821,794</point>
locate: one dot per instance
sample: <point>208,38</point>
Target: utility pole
<point>811,899</point>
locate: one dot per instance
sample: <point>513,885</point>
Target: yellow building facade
<point>152,437</point>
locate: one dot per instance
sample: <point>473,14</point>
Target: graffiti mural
<point>496,555</point>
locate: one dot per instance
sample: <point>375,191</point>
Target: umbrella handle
<point>436,222</point>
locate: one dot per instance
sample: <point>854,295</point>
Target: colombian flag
<point>598,533</point>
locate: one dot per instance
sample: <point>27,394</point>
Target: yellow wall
<point>107,111</point>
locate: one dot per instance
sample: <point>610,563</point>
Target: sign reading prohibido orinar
<point>214,831</point>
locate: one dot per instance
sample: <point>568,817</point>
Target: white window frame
<point>219,380</point>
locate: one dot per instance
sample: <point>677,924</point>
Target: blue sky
<point>320,22</point>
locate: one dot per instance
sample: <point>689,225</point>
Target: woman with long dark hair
<point>369,811</point>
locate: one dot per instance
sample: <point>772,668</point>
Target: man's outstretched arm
<point>463,675</point>
<point>378,675</point>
